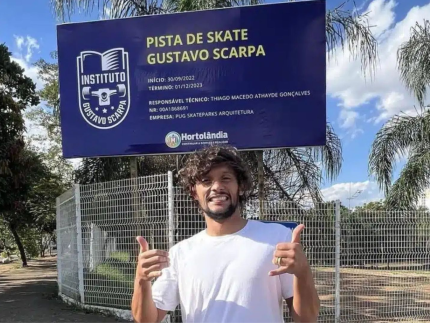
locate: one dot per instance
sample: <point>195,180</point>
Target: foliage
<point>42,207</point>
<point>413,58</point>
<point>372,206</point>
<point>30,241</point>
<point>25,182</point>
<point>16,92</point>
<point>32,213</point>
<point>405,135</point>
<point>295,174</point>
<point>351,28</point>
<point>7,242</point>
<point>18,167</point>
<point>17,213</point>
<point>96,170</point>
<point>48,143</point>
<point>402,135</point>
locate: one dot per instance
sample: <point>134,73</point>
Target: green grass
<point>112,273</point>
<point>120,255</point>
<point>111,283</point>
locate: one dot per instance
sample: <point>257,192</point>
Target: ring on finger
<point>278,261</point>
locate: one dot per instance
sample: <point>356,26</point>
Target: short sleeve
<point>287,285</point>
<point>165,291</point>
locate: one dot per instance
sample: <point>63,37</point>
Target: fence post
<point>171,204</point>
<point>79,242</point>
<point>337,262</point>
<point>59,253</point>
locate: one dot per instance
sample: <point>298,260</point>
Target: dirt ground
<point>30,295</point>
<point>375,295</point>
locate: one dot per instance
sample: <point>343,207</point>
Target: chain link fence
<point>369,266</point>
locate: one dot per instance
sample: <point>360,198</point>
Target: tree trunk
<point>42,247</point>
<point>133,167</point>
<point>20,246</point>
<point>260,162</point>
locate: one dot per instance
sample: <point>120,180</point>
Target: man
<point>236,270</point>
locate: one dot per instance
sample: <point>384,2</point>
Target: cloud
<point>353,194</point>
<point>386,91</point>
<point>29,44</point>
<point>26,45</point>
<point>348,121</point>
<point>19,40</point>
<point>107,11</point>
<point>25,48</point>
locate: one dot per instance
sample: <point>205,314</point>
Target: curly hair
<point>203,161</point>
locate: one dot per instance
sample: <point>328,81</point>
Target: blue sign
<point>253,77</point>
<point>288,224</point>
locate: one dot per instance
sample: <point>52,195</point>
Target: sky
<point>357,105</point>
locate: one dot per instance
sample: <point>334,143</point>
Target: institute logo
<point>104,87</point>
<point>173,139</point>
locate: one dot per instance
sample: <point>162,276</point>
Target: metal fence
<point>369,266</point>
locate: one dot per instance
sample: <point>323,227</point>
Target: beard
<point>220,216</point>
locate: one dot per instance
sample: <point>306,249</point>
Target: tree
<point>16,92</point>
<point>28,170</point>
<point>17,164</point>
<point>405,134</point>
<point>48,143</point>
<point>402,135</point>
<point>413,59</point>
<point>41,206</point>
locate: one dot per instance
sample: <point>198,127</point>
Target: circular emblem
<point>173,139</point>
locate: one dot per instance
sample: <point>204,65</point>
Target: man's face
<point>218,193</point>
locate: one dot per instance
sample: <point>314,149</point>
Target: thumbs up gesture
<point>150,262</point>
<point>289,256</point>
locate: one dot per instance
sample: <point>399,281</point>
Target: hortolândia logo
<point>173,139</point>
<point>104,87</point>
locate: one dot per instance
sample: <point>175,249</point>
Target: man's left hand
<point>292,257</point>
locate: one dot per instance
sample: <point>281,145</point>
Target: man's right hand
<point>150,262</point>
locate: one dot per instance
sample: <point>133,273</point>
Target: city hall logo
<point>104,87</point>
<point>173,139</point>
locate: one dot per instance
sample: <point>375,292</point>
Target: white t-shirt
<point>226,278</point>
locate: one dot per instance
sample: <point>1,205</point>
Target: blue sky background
<point>357,107</point>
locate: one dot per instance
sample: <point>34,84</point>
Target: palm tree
<point>414,60</point>
<point>292,174</point>
<point>404,134</point>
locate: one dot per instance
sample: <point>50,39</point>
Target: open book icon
<point>110,60</point>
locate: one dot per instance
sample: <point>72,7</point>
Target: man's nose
<point>217,185</point>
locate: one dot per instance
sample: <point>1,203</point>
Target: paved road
<point>29,295</point>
